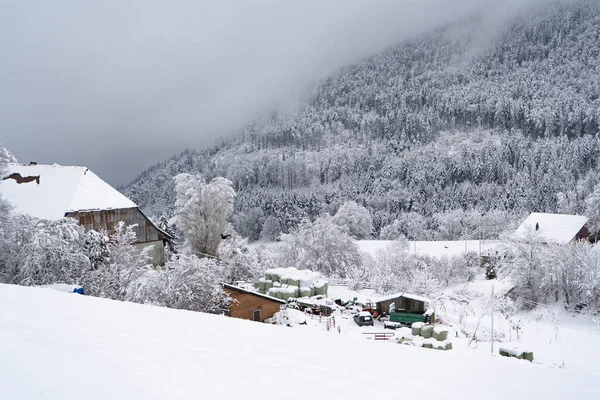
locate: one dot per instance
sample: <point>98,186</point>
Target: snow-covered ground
<point>56,345</point>
<point>436,249</point>
<point>558,338</point>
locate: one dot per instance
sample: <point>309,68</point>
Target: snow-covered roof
<point>242,290</point>
<point>435,249</point>
<point>405,295</point>
<point>555,228</point>
<point>60,190</point>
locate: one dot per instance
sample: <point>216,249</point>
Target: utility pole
<point>492,319</point>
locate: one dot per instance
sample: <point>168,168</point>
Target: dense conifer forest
<point>466,128</point>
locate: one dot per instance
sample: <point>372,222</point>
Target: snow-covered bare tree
<point>360,274</point>
<point>319,246</point>
<point>120,266</point>
<point>202,212</point>
<point>354,220</point>
<point>7,219</point>
<point>46,252</point>
<point>392,231</point>
<point>391,272</point>
<point>240,261</point>
<point>522,260</point>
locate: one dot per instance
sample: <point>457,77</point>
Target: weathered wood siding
<point>243,305</point>
<point>108,219</point>
<point>147,234</point>
<point>401,303</point>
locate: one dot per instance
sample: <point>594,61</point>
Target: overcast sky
<point>117,85</point>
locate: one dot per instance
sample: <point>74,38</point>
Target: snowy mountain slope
<point>58,345</point>
<point>432,125</point>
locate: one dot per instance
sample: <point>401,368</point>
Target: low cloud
<point>118,85</point>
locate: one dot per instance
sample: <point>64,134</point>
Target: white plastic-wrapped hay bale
<point>517,353</point>
<point>320,287</point>
<point>261,284</point>
<point>291,291</point>
<point>305,291</point>
<point>268,276</point>
<point>288,291</point>
<point>440,333</point>
<point>439,345</point>
<point>427,331</point>
<point>273,292</point>
<point>305,281</point>
<point>448,345</point>
<point>416,328</point>
<point>276,284</point>
<point>293,281</point>
<point>275,276</point>
<point>268,284</point>
<point>429,343</point>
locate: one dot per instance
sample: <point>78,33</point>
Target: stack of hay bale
<point>428,336</point>
<point>286,283</point>
<point>516,353</point>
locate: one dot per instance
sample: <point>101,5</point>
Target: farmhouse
<point>52,192</point>
<point>252,306</point>
<point>554,228</point>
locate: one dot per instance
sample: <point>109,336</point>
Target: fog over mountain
<point>119,85</point>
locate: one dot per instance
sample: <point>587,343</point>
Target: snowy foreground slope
<point>56,345</point>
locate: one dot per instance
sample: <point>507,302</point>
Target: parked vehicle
<point>363,318</point>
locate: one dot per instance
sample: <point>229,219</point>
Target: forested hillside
<point>445,133</point>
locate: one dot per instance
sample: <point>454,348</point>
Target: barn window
<point>256,315</point>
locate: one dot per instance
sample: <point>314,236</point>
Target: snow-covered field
<point>56,345</point>
<point>558,338</point>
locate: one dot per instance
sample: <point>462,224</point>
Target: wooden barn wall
<point>401,303</point>
<point>243,305</point>
<point>108,219</point>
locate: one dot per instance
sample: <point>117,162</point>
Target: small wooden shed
<point>402,302</point>
<point>253,306</point>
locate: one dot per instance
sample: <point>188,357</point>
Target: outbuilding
<point>253,306</point>
<point>402,302</point>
